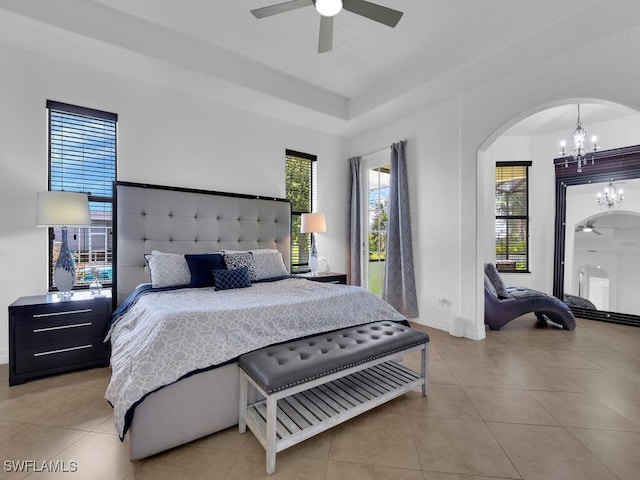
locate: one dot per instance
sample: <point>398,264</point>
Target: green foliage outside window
<point>378,232</point>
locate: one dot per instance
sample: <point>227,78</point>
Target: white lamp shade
<point>313,223</point>
<point>55,209</point>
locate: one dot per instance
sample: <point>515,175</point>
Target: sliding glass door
<point>377,206</point>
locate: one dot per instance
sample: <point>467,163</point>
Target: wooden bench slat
<point>292,420</point>
<point>306,408</point>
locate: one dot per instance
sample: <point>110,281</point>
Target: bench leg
<point>272,407</point>
<point>425,369</point>
<point>242,403</point>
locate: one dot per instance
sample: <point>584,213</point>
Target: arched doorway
<point>535,135</point>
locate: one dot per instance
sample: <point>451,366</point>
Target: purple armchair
<point>503,304</point>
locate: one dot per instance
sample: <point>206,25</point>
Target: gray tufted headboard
<point>179,220</point>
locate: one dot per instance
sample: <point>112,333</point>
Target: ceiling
<point>219,50</point>
<point>563,119</point>
<point>365,53</point>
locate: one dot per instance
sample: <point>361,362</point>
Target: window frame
<point>302,266</point>
<point>526,217</point>
<point>56,107</point>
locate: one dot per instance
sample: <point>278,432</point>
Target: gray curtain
<point>354,253</point>
<point>399,275</point>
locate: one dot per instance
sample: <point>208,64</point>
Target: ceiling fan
<point>588,227</point>
<point>328,9</point>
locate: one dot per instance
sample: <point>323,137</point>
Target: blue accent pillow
<point>202,267</point>
<point>228,279</point>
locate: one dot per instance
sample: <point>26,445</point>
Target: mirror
<point>602,253</point>
<point>600,264</point>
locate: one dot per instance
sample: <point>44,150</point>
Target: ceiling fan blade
<point>325,41</point>
<point>373,11</point>
<point>280,8</point>
<point>596,232</point>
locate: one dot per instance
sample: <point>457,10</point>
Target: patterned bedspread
<point>166,336</point>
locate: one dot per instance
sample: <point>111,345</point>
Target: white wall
<point>165,137</point>
<point>626,297</point>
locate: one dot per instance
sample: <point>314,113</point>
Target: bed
<point>184,384</point>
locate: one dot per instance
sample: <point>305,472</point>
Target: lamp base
<point>313,265</point>
<point>313,257</point>
<point>64,274</point>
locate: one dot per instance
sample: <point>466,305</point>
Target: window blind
<point>82,158</point>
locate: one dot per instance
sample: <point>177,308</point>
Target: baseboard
<point>432,322</point>
<point>4,356</point>
<point>444,323</point>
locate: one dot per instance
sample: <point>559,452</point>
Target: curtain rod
<point>381,149</point>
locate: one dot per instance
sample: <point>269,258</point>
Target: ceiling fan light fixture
<point>328,8</point>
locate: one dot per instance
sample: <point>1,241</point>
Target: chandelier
<point>580,150</point>
<point>610,197</point>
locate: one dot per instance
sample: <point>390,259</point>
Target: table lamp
<point>313,223</point>
<point>62,209</point>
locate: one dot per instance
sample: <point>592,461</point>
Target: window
<point>301,190</point>
<point>82,158</point>
<point>512,216</point>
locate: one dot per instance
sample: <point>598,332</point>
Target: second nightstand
<point>327,277</point>
<point>49,335</point>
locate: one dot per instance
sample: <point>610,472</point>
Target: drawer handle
<point>62,350</point>
<point>61,327</point>
<point>53,314</point>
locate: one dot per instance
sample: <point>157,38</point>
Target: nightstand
<point>49,335</point>
<point>326,277</point>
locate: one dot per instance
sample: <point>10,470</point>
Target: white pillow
<point>269,265</point>
<point>257,251</point>
<point>168,269</point>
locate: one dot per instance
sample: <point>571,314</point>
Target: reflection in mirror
<point>597,249</point>
<point>602,247</point>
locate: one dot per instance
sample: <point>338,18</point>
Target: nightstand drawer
<point>56,356</point>
<point>55,329</point>
<point>39,314</point>
<point>62,323</point>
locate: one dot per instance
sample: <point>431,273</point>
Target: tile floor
<point>526,403</point>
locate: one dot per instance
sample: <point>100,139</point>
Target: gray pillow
<point>269,265</point>
<point>168,269</point>
<point>496,280</point>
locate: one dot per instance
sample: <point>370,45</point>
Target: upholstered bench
<point>326,379</point>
